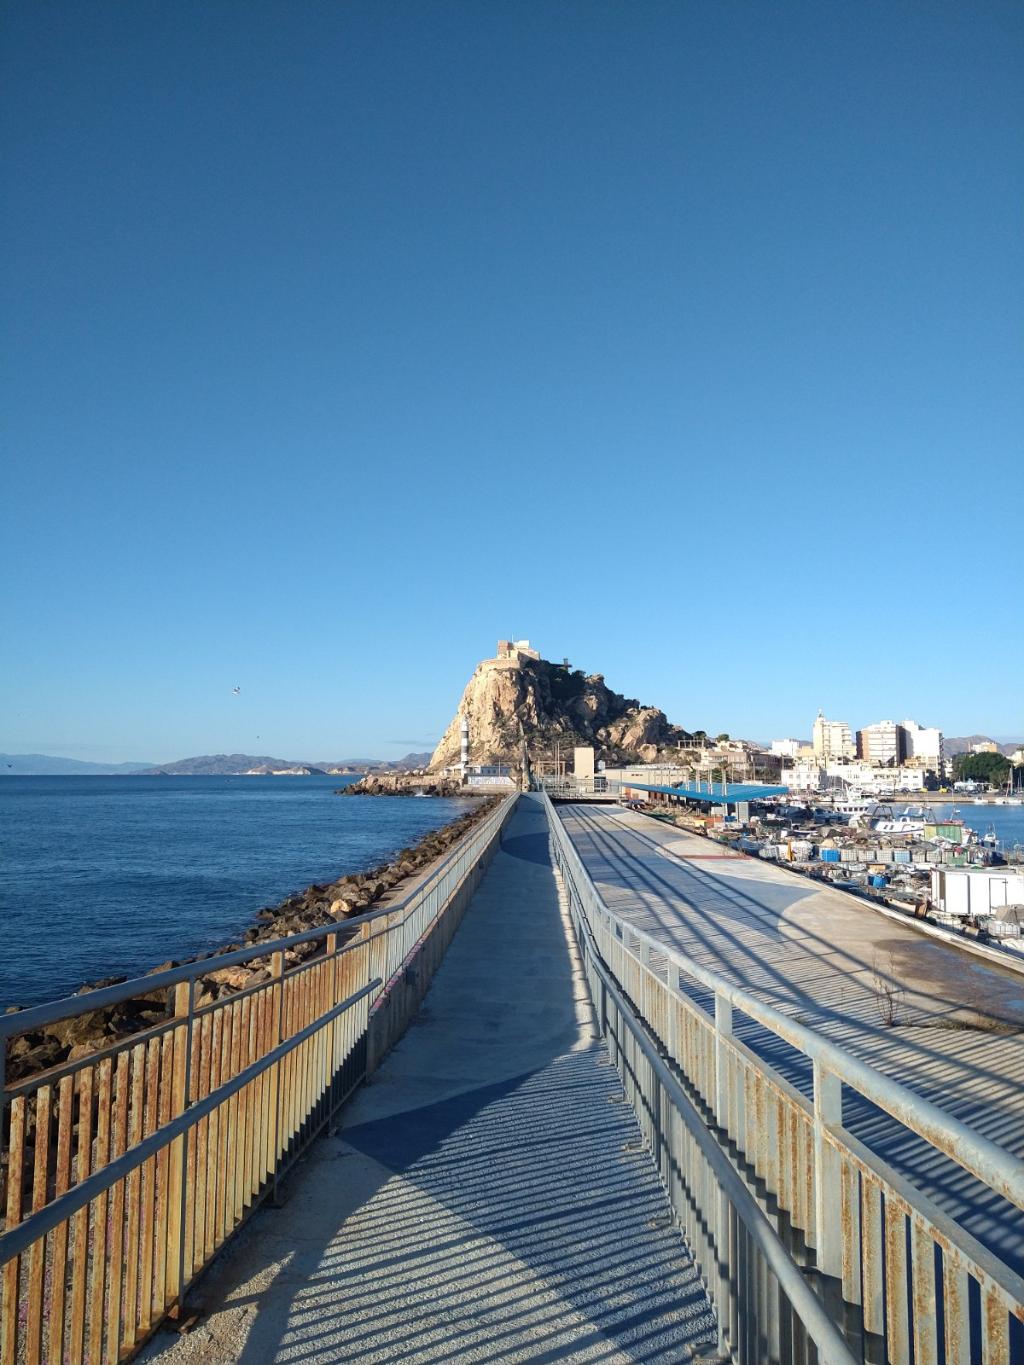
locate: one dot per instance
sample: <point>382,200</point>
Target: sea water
<point>1006,822</point>
<point>104,876</point>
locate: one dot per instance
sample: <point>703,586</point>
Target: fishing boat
<point>911,821</point>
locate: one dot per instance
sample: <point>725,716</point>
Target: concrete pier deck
<point>486,1199</point>
<point>829,959</point>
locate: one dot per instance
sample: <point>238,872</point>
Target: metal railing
<point>126,1170</point>
<point>906,1282</point>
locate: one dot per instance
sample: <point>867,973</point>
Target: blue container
<point>830,855</point>
<point>879,880</point>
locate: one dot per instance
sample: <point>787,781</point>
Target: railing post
<point>277,972</point>
<point>723,1030</point>
<point>828,1111</point>
<point>178,1193</point>
<point>330,1051</point>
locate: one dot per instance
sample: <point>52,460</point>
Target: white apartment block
<point>924,746</point>
<point>832,739</point>
<point>881,744</point>
<point>805,775</point>
<point>786,748</point>
<point>865,777</point>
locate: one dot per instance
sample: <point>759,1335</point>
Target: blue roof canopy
<point>735,791</point>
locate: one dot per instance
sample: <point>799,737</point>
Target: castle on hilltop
<point>517,650</point>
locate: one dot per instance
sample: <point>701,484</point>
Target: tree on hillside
<point>993,768</point>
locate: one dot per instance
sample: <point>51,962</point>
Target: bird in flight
<point>236,690</point>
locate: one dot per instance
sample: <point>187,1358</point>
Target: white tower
<point>464,733</point>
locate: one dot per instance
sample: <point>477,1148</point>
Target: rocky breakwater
<point>317,906</point>
<point>405,784</point>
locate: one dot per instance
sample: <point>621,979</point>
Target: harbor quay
<point>595,1089</point>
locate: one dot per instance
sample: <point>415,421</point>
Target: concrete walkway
<point>821,954</point>
<point>485,1201</point>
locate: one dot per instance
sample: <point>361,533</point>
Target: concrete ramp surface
<point>488,1198</point>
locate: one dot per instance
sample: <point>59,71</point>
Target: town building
<point>808,775</point>
<point>876,781</point>
<point>787,748</point>
<point>924,747</point>
<point>804,775</point>
<point>883,744</point>
<point>832,739</point>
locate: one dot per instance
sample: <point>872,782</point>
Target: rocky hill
<point>962,744</point>
<point>374,765</point>
<point>47,765</point>
<point>256,765</point>
<point>515,695</point>
<point>222,765</point>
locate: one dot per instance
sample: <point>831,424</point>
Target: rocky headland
<point>515,697</point>
<point>318,905</point>
<point>520,702</point>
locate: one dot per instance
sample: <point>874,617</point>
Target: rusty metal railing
<point>905,1280</point>
<point>127,1169</point>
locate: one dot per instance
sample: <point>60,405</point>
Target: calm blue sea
<point>101,876</point>
<point>1006,821</point>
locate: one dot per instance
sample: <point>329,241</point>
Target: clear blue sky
<point>340,339</point>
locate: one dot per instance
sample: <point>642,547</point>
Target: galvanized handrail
<point>618,1019</point>
<point>37,1225</point>
<point>844,1202</point>
<point>168,1139</point>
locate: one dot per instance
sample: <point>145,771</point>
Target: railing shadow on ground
<point>971,1073</point>
<point>848,1185</point>
<point>504,1252</point>
<point>518,1216</point>
<point>128,1169</point>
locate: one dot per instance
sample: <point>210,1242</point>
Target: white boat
<point>912,821</point>
<point>899,826</point>
<point>855,805</point>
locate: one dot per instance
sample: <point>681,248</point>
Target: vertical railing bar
<point>184,997</point>
<point>277,972</point>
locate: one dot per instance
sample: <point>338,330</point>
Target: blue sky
<point>340,339</point>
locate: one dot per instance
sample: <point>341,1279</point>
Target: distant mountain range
<point>206,765</point>
<point>45,765</point>
<point>962,744</point>
<point>230,765</point>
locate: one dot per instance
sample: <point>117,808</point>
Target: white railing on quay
<point>900,1272</point>
<point>127,1169</point>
